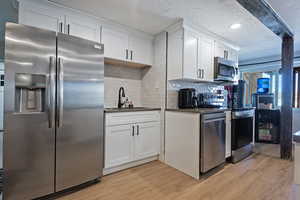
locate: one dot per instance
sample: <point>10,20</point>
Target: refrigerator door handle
<point>51,92</point>
<point>61,91</point>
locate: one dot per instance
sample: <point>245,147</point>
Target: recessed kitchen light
<point>235,26</point>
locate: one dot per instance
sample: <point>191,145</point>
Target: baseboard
<point>111,170</point>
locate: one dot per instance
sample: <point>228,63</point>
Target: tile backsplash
<point>119,76</point>
<point>175,86</point>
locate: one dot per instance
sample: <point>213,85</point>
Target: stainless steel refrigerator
<point>53,104</point>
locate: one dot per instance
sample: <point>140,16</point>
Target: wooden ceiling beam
<point>266,15</point>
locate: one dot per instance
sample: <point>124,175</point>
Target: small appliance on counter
<point>187,98</point>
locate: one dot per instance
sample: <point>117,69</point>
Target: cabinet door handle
<point>68,29</point>
<point>138,130</point>
<point>126,54</point>
<point>131,55</point>
<point>132,130</point>
<point>202,73</point>
<point>60,27</point>
<point>197,73</point>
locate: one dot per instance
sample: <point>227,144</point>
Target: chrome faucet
<point>121,94</point>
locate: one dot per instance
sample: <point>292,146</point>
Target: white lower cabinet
<point>132,142</point>
<point>147,140</point>
<point>118,145</point>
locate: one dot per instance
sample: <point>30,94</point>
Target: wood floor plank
<point>258,177</point>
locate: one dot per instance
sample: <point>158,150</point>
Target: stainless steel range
<point>242,130</point>
<point>53,131</point>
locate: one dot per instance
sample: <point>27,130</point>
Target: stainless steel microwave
<point>225,70</point>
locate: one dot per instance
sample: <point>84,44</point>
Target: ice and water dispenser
<point>30,93</point>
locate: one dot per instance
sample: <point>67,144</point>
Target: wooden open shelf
<point>112,61</point>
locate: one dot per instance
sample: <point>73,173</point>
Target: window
<point>296,95</point>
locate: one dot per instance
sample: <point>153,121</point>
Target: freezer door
<point>80,90</point>
<point>29,129</point>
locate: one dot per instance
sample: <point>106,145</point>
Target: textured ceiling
<point>152,16</point>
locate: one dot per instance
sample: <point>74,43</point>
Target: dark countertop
<point>200,110</point>
<point>296,137</point>
<point>134,109</point>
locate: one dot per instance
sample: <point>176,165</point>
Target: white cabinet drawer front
<point>112,119</point>
<point>118,145</point>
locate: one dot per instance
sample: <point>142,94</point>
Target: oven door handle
<point>214,120</point>
<point>243,116</point>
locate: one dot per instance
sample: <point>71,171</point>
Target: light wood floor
<point>256,178</point>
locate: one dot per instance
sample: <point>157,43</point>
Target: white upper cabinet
<point>141,50</point>
<point>82,26</point>
<point>118,145</point>
<point>223,51</point>
<point>190,56</point>
<point>115,44</point>
<point>51,17</point>
<point>122,46</point>
<point>41,16</point>
<point>128,45</point>
<point>233,55</point>
<point>175,55</point>
<point>206,59</point>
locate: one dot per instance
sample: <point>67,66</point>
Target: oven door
<point>242,129</point>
